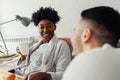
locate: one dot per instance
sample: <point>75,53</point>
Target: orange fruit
<point>11,77</point>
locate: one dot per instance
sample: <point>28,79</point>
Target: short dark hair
<point>107,20</point>
<point>45,13</point>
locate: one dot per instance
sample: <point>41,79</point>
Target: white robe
<point>55,59</point>
<point>97,64</point>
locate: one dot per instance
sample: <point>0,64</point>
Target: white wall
<point>69,10</point>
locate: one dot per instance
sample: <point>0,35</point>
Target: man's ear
<point>87,34</point>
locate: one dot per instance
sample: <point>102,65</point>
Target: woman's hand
<point>38,76</point>
<point>19,52</point>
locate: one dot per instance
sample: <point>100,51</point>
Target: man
<point>94,42</point>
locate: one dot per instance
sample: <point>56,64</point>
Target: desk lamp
<point>24,20</point>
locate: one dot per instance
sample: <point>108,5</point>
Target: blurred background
<point>69,10</point>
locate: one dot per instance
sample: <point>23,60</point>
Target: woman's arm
<point>62,61</point>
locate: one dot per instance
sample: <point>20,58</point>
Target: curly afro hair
<point>45,13</point>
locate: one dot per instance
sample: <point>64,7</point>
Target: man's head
<point>46,19</point>
<point>97,26</point>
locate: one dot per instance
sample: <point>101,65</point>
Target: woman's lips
<point>46,35</point>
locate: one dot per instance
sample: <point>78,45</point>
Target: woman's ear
<point>87,34</point>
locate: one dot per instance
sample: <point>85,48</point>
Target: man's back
<point>96,64</point>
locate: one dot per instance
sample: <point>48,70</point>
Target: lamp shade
<point>24,20</point>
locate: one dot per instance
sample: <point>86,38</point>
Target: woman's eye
<point>48,26</point>
<point>41,27</point>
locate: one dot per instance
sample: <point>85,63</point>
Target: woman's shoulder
<point>62,42</point>
<point>65,41</point>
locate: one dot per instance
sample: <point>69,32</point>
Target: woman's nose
<point>45,29</point>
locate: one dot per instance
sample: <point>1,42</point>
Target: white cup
<point>24,47</point>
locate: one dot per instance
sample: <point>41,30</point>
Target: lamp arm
<point>2,35</point>
<point>4,42</point>
<point>7,22</point>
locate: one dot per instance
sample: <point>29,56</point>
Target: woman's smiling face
<point>46,29</point>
